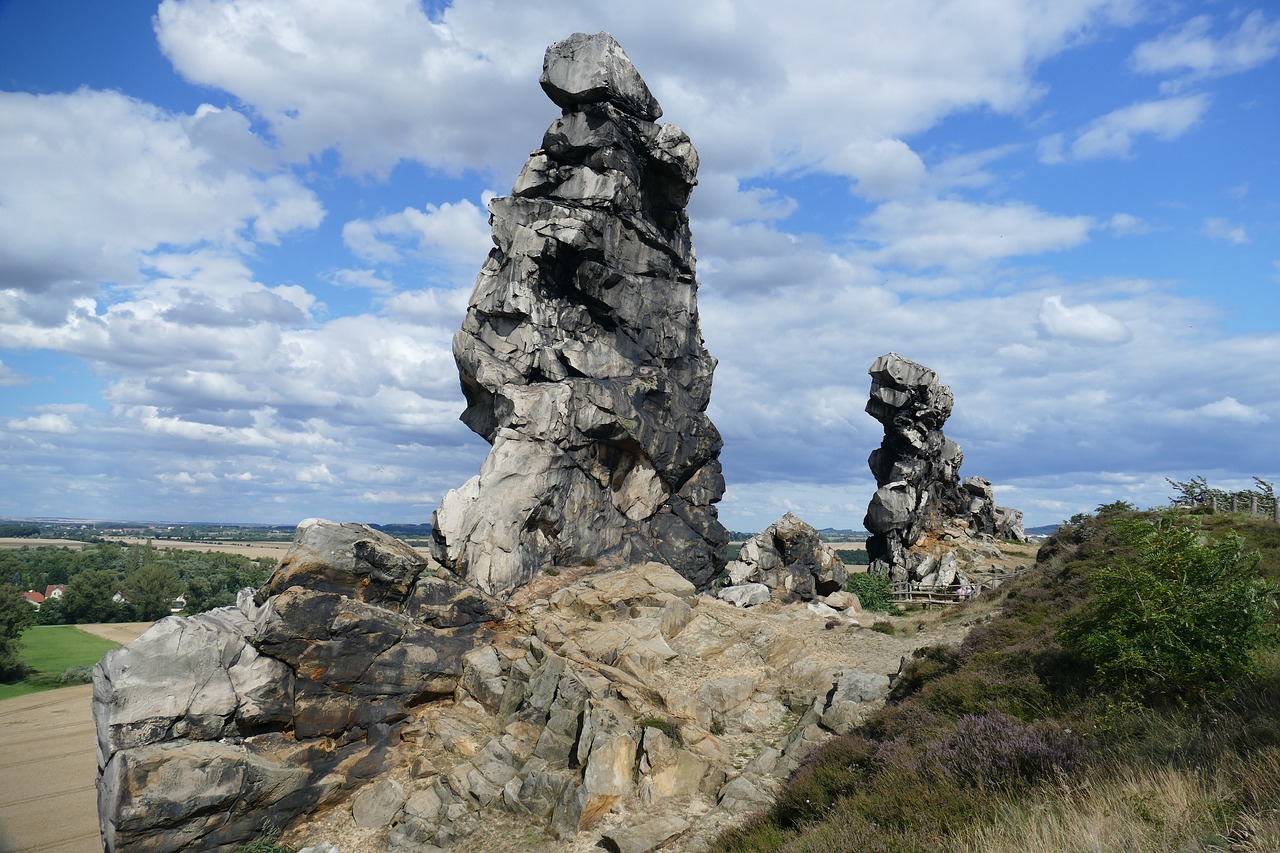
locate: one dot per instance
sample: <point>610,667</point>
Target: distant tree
<point>15,616</point>
<point>88,598</point>
<point>152,588</point>
<point>1115,508</point>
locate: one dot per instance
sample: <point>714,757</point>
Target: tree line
<point>117,582</point>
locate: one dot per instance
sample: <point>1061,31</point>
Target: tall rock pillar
<point>581,356</point>
<point>917,470</point>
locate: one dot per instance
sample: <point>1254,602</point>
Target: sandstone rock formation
<point>620,711</point>
<point>581,357</point>
<point>790,560</point>
<point>917,471</point>
<point>276,707</point>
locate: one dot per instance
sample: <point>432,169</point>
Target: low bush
<point>874,591</point>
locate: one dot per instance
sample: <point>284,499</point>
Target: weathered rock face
<point>581,357</point>
<point>790,560</point>
<point>623,711</point>
<point>275,707</point>
<point>917,471</point>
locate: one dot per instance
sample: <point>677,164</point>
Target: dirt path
<point>48,800</point>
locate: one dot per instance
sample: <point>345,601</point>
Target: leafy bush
<point>874,591</point>
<point>1178,616</point>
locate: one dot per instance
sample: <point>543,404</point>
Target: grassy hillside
<point>1027,738</point>
<point>50,651</point>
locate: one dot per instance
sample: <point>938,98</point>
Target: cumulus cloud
<point>48,422</point>
<point>1231,409</point>
<point>1114,134</point>
<point>92,180</point>
<point>956,234</point>
<point>1084,323</point>
<point>455,232</point>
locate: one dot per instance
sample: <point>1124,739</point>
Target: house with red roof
<point>33,597</point>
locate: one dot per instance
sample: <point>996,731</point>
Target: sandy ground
<point>48,801</point>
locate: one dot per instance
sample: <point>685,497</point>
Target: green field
<point>50,650</point>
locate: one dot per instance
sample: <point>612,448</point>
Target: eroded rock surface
<point>277,706</point>
<point>917,471</point>
<point>790,560</point>
<point>580,356</point>
<point>622,710</point>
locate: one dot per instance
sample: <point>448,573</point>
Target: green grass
<point>50,650</point>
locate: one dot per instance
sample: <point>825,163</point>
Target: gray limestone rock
<point>745,595</point>
<point>917,470</point>
<point>581,357</point>
<point>790,558</point>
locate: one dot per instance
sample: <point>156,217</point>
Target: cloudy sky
<point>236,237</point>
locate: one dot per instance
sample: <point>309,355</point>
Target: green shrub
<point>874,591</point>
<point>1173,614</point>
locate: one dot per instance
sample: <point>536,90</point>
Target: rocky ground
<point>704,707</point>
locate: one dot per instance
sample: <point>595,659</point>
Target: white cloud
<point>455,232</point>
<point>1192,48</point>
<point>94,179</point>
<point>48,422</point>
<point>955,234</point>
<point>10,378</point>
<point>1231,409</point>
<point>1084,323</point>
<point>755,85</point>
<point>1114,134</point>
<point>882,167</point>
<point>1126,224</point>
<point>1221,229</point>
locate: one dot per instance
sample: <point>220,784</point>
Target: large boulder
<point>917,471</point>
<point>278,706</point>
<point>581,357</point>
<point>790,559</point>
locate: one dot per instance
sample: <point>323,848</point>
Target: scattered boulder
<point>581,357</point>
<point>917,473</point>
<point>790,559</point>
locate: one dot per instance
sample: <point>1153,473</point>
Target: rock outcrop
<point>622,710</point>
<point>281,704</point>
<point>581,357</point>
<point>917,473</point>
<point>790,560</point>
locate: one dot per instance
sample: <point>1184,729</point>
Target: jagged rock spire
<point>581,356</point>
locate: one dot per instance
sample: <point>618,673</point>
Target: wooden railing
<point>905,592</point>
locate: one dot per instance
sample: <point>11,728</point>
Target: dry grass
<point>1159,809</point>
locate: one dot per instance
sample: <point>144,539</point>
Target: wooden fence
<point>1237,505</point>
<point>909,592</point>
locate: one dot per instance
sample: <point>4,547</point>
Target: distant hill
<point>1043,530</point>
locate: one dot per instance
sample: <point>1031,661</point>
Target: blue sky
<point>236,239</point>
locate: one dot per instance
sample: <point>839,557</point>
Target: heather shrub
<point>995,750</point>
